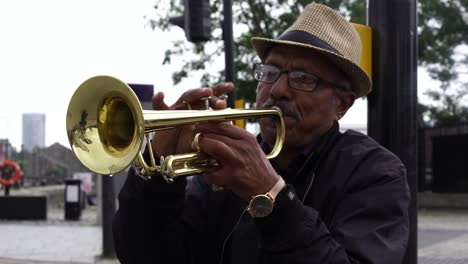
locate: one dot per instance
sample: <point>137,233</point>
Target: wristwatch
<point>262,205</point>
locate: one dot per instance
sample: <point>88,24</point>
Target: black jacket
<point>355,210</point>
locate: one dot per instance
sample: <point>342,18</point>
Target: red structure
<point>10,174</point>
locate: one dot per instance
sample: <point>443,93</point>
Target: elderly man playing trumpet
<point>328,197</point>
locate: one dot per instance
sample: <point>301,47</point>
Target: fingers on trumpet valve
<point>205,101</point>
<point>196,142</point>
<point>208,102</point>
<point>217,102</point>
<point>189,106</point>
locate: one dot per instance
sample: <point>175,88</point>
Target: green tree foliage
<point>442,37</point>
<point>442,30</point>
<point>261,18</point>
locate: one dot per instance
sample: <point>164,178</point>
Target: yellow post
<point>365,33</point>
<point>239,104</point>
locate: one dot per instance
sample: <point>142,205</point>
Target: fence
<point>441,150</point>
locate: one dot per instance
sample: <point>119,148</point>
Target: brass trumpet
<point>106,128</point>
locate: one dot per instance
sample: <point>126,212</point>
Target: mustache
<point>286,108</point>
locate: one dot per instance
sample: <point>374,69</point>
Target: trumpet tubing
<point>106,128</point>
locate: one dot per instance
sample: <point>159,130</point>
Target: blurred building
<point>5,150</point>
<point>53,164</point>
<point>33,131</point>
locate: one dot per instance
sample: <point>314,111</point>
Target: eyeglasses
<point>298,80</point>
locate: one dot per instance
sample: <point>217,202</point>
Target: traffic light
<point>195,21</point>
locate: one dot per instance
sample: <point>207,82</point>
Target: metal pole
<point>392,106</point>
<point>229,49</point>
<point>108,210</point>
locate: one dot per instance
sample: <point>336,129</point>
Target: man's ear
<point>345,101</point>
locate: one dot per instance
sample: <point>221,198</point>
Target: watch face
<point>260,206</point>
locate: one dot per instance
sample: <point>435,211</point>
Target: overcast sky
<point>50,47</point>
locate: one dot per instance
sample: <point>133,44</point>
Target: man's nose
<point>280,89</point>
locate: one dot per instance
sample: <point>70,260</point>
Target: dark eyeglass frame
<point>293,85</point>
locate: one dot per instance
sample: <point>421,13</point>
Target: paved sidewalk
<point>13,261</point>
<point>49,242</point>
<point>442,239</point>
<point>17,261</point>
<point>54,240</point>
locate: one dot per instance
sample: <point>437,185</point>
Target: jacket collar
<point>308,150</point>
<point>309,159</point>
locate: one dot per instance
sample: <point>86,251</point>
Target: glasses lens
<point>302,80</point>
<point>266,73</point>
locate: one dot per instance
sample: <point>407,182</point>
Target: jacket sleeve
<point>369,223</point>
<point>149,226</point>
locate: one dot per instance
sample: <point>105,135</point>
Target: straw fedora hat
<point>324,30</point>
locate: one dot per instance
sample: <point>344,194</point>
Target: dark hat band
<point>306,38</point>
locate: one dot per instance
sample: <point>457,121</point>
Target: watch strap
<point>279,185</point>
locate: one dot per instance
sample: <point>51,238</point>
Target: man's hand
<point>179,140</point>
<point>244,167</point>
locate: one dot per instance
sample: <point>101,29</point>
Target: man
<point>327,198</point>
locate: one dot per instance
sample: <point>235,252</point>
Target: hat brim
<point>360,81</point>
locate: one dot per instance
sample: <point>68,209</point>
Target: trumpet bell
<point>105,124</point>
